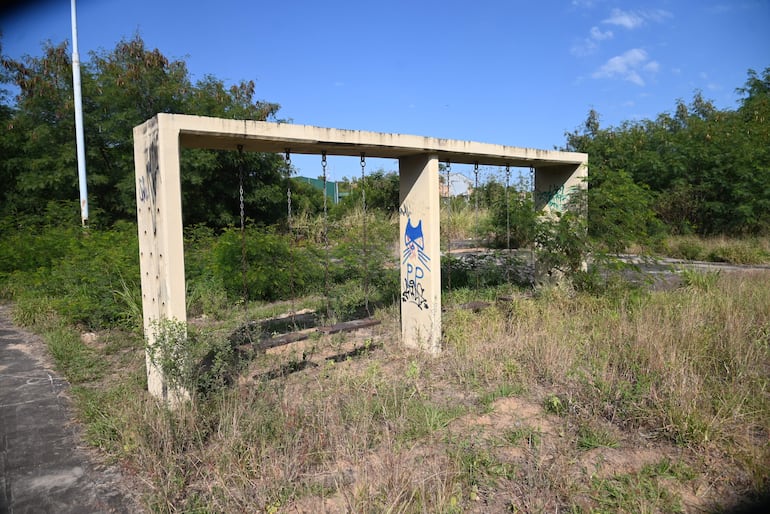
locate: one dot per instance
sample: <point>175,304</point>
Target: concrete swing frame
<point>159,205</point>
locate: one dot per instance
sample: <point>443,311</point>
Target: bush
<point>274,270</point>
<point>562,243</point>
<point>514,216</point>
<point>83,273</point>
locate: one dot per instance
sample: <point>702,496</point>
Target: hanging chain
<point>532,183</point>
<point>325,238</point>
<point>507,223</point>
<point>288,186</point>
<point>476,211</point>
<point>290,230</point>
<point>244,263</point>
<point>363,230</point>
<point>449,227</point>
<point>507,208</point>
<point>476,196</point>
<point>533,194</point>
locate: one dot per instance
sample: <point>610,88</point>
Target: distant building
<point>459,185</point>
<point>332,188</point>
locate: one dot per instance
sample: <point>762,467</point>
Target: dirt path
<point>44,464</point>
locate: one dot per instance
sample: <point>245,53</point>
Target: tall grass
<point>392,430</point>
<point>717,249</point>
<point>538,403</point>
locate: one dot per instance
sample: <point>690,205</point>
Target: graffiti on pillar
<point>148,182</point>
<point>555,197</point>
<point>417,264</point>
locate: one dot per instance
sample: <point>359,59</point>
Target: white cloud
<point>589,45</point>
<point>628,66</point>
<point>583,48</point>
<point>657,15</point>
<point>598,35</point>
<point>627,19</point>
<point>635,19</point>
<point>652,67</point>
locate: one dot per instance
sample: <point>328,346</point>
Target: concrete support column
<point>161,249</point>
<point>420,252</point>
<point>555,184</point>
<point>554,187</point>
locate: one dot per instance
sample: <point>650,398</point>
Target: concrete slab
<point>44,464</point>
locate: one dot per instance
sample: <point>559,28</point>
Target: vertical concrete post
<point>554,186</point>
<point>420,252</point>
<point>161,250</point>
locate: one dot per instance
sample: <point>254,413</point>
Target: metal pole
<point>81,152</point>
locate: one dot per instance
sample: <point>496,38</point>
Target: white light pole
<point>81,151</point>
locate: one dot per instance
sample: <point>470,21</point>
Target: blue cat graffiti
<point>417,263</point>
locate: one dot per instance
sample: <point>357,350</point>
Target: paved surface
<point>44,465</point>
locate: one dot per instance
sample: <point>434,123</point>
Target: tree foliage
<point>123,88</point>
<point>698,170</point>
<point>380,187</point>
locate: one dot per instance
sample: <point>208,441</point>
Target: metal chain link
<point>532,183</point>
<point>449,226</point>
<point>476,211</point>
<point>507,208</point>
<point>363,230</point>
<point>325,238</point>
<point>244,262</point>
<point>290,230</point>
<point>534,208</point>
<point>476,195</point>
<point>507,223</point>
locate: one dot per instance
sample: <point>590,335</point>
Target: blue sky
<point>519,73</point>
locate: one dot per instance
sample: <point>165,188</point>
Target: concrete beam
<point>262,136</point>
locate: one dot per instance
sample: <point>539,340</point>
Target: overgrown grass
<point>539,402</point>
<point>718,249</point>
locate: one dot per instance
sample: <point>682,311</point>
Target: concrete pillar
<point>554,187</point>
<point>555,184</point>
<point>161,249</point>
<point>420,252</point>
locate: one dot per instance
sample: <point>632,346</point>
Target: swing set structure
<point>157,144</point>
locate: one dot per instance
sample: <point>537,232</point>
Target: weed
<point>636,492</point>
<point>503,390</point>
<point>526,434</point>
<point>589,437</point>
<point>35,311</point>
<point>553,404</point>
<point>130,299</point>
<point>666,468</point>
<point>424,418</point>
<point>701,280</point>
<point>479,468</point>
<point>75,359</point>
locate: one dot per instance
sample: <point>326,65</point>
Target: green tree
<point>619,210</point>
<point>123,88</point>
<point>512,212</point>
<point>382,192</point>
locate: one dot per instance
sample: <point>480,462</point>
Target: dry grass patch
<point>624,402</point>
